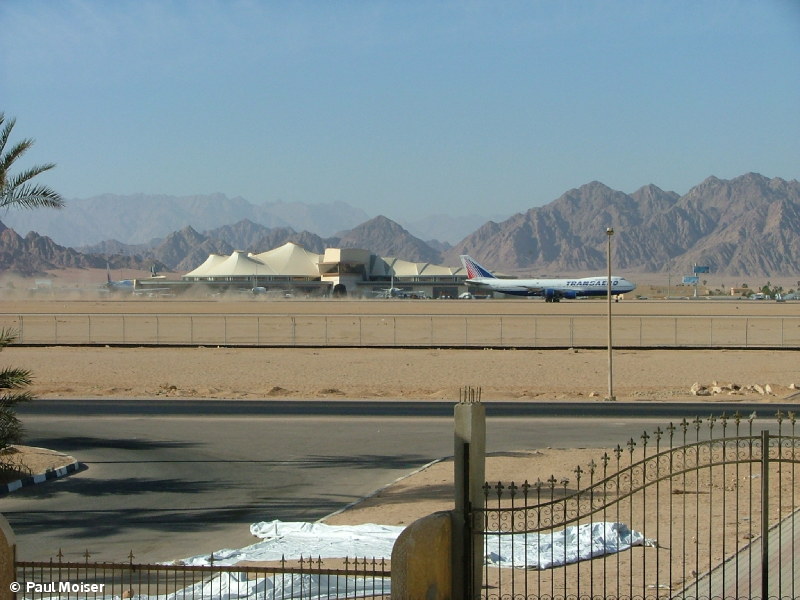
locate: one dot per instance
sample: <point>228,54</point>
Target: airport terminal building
<point>291,269</point>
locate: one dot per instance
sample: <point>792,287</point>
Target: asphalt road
<point>169,479</point>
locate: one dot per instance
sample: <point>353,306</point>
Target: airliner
<point>130,285</point>
<point>553,290</point>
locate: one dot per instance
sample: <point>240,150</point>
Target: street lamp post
<point>610,397</point>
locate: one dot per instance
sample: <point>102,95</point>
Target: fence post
<point>765,513</point>
<point>746,331</point>
<point>469,475</point>
<point>501,330</point>
<point>571,332</point>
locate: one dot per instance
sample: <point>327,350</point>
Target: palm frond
<point>13,154</point>
<point>6,132</point>
<point>8,400</point>
<point>12,378</point>
<point>21,178</point>
<point>11,430</point>
<point>31,196</point>
<point>8,335</point>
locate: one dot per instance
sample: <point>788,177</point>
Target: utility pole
<point>611,397</point>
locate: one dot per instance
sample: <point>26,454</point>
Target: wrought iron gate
<point>687,507</point>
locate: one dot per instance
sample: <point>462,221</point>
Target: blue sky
<point>401,107</point>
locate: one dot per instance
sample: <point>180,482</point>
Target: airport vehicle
<point>552,290</point>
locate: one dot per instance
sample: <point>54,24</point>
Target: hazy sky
<point>402,106</point>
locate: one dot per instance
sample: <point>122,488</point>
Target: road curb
<point>358,501</point>
<point>36,478</point>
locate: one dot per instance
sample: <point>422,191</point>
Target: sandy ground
<point>414,374</point>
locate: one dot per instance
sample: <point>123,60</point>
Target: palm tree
<point>15,190</point>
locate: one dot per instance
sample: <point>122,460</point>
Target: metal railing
<point>701,509</point>
<point>496,331</point>
<point>297,579</point>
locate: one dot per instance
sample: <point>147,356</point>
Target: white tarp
<point>291,540</point>
<point>570,545</point>
<point>229,586</point>
<point>295,539</point>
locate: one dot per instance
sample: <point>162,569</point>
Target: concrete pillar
<point>469,454</point>
<point>8,555</point>
<point>422,560</point>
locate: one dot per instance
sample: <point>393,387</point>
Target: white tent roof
<point>405,268</point>
<point>208,265</point>
<point>291,259</point>
<point>237,264</point>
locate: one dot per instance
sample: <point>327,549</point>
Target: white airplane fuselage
<point>554,288</point>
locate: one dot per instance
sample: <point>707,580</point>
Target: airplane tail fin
<point>474,269</point>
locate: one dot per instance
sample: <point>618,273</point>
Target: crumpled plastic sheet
<point>567,546</point>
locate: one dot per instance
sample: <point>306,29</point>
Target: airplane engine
<point>552,295</point>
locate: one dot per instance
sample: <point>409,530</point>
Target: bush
<point>12,384</point>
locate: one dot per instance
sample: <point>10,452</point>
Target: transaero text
<point>593,282</point>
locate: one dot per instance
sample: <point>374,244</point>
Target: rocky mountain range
<point>143,219</point>
<point>745,226</point>
<point>140,218</point>
<point>748,225</point>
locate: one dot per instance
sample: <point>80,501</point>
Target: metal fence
<point>495,331</point>
<point>701,509</point>
<point>306,579</point>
